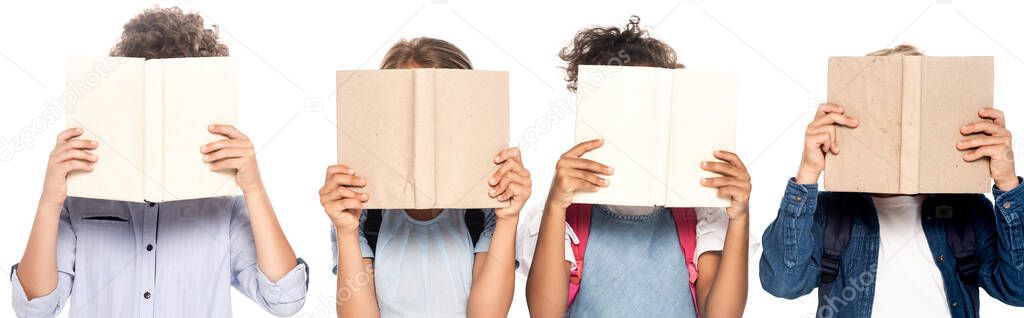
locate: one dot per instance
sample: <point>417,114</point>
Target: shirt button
<point>149,247</point>
<point>798,198</point>
<point>151,204</point>
<point>1007,204</point>
<point>954,304</point>
<point>942,258</point>
<point>147,295</point>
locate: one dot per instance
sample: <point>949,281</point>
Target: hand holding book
<point>67,156</point>
<point>234,153</point>
<point>989,138</point>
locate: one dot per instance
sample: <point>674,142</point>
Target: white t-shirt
<point>712,224</point>
<point>908,283</point>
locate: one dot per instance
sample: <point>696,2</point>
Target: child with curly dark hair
<point>637,260</point>
<point>169,259</point>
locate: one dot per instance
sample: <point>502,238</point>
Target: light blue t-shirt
<point>423,268</point>
<point>634,268</point>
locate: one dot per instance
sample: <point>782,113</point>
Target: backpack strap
<point>475,223</point>
<point>959,234</point>
<point>371,227</point>
<point>686,228</point>
<point>840,209</point>
<point>578,218</point>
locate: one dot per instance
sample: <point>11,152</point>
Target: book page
<point>620,105</point>
<point>109,107</point>
<point>953,90</point>
<point>197,92</point>
<point>472,126</point>
<point>870,89</point>
<point>703,120</point>
<point>376,134</point>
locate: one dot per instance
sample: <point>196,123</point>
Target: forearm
<point>728,294</point>
<point>547,288</point>
<point>494,285</point>
<point>37,270</point>
<point>792,244</point>
<point>356,295</point>
<point>273,252</point>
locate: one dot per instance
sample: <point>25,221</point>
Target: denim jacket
<point>790,263</point>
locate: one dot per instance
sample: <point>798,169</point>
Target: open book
<point>910,110</point>
<point>150,119</point>
<point>423,138</point>
<point>658,125</point>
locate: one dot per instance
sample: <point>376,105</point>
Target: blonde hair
<point>427,53</point>
<point>899,50</point>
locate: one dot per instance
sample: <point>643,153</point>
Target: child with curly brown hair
<point>637,261</point>
<point>169,259</point>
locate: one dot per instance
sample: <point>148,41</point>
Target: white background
<point>288,52</point>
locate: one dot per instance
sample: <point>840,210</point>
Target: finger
<point>343,205</point>
<point>227,131</point>
<point>825,108</point>
<point>582,185</point>
<point>983,140</point>
<point>734,193</point>
<point>821,142</point>
<point>227,164</point>
<point>347,180</point>
<point>731,158</point>
<point>834,119</point>
<point>506,180</point>
<point>829,143</point>
<point>338,169</point>
<point>69,133</point>
<point>508,153</point>
<point>515,190</point>
<point>995,115</point>
<point>995,152</point>
<point>226,153</point>
<point>75,144</point>
<point>588,165</point>
<point>221,144</point>
<point>723,168</point>
<point>75,165</point>
<point>583,148</point>
<point>589,177</point>
<point>987,127</point>
<point>719,182</point>
<point>339,193</point>
<point>76,155</point>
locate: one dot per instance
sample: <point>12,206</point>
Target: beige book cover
<point>910,110</point>
<point>423,138</point>
<point>658,125</point>
<point>150,118</point>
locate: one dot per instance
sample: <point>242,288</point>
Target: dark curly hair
<point>615,46</point>
<point>159,33</point>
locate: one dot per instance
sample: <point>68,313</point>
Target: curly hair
<point>630,45</point>
<point>158,33</point>
<point>427,53</point>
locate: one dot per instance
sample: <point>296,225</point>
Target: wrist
<point>254,188</point>
<point>807,175</point>
<point>1007,184</point>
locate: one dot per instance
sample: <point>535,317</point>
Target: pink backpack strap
<point>578,218</point>
<point>686,228</point>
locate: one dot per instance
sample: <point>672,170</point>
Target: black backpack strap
<point>840,209</point>
<point>475,223</point>
<point>371,227</point>
<point>960,234</point>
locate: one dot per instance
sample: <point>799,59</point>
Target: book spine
<point>154,131</point>
<point>424,139</point>
<point>910,125</point>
